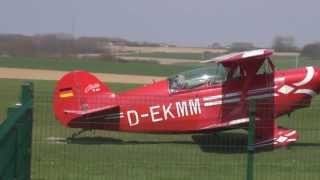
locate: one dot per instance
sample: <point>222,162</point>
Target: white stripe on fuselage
<point>261,90</point>
<point>279,79</point>
<point>214,103</point>
<point>262,96</point>
<point>238,121</point>
<point>234,94</point>
<point>307,78</point>
<point>233,100</point>
<point>221,96</point>
<point>305,91</point>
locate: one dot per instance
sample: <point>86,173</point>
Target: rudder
<point>71,93</point>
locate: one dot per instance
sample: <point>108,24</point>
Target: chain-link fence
<point>16,138</point>
<point>101,154</point>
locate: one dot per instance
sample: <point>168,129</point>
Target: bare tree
<point>284,44</point>
<point>311,50</point>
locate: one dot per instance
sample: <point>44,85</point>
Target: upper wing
<point>249,63</point>
<point>241,57</point>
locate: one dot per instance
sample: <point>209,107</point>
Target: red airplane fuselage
<point>153,108</point>
<point>156,108</point>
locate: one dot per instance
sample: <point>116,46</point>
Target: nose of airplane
<point>305,80</point>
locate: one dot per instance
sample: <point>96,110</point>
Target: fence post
<point>10,112</point>
<point>251,140</point>
<point>26,92</point>
<point>24,133</point>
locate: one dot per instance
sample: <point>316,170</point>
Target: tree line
<point>287,44</point>
<point>60,44</point>
<point>279,44</point>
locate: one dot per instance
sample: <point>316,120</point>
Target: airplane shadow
<point>222,142</point>
<point>108,140</point>
<point>305,144</point>
<point>232,143</point>
<point>226,143</point>
<point>95,140</point>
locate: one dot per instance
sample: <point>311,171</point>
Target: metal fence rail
<point>16,138</point>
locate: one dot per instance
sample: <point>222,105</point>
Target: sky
<point>182,22</point>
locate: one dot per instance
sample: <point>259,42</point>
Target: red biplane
<point>207,99</point>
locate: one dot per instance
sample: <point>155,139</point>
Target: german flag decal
<point>66,92</point>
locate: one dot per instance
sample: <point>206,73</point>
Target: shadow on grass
<point>108,140</point>
<point>305,144</point>
<point>222,142</point>
<point>96,140</point>
<point>225,142</point>
<point>231,143</point>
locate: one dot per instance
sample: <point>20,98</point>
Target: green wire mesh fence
<point>220,155</point>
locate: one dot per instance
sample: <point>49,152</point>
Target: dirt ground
<point>37,74</point>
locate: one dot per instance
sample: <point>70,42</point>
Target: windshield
<point>212,74</point>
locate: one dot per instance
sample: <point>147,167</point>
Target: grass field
<point>112,155</point>
<point>93,65</point>
<point>137,68</point>
<point>194,56</point>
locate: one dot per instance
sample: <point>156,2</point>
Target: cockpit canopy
<point>212,74</point>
